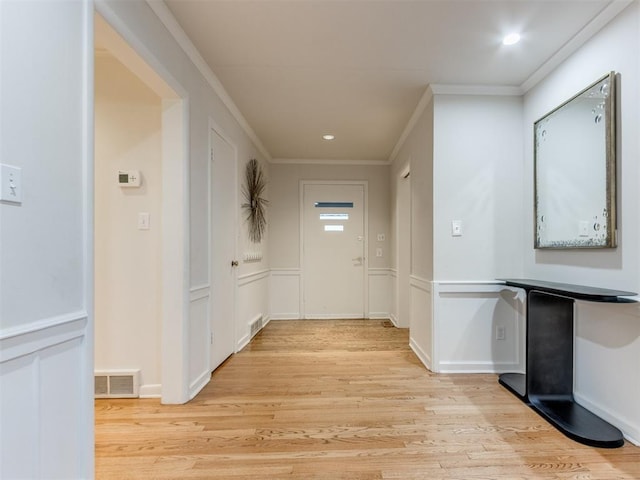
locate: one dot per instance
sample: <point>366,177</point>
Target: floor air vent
<point>117,384</point>
<point>256,325</point>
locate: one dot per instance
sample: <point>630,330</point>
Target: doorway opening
<point>140,228</point>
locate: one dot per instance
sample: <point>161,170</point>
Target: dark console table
<point>547,386</point>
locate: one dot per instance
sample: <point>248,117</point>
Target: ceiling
<point>297,69</point>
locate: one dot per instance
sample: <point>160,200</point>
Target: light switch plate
<point>143,221</point>
<point>583,228</point>
<point>456,228</point>
<point>10,183</point>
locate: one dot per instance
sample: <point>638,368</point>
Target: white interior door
<point>333,256</point>
<point>223,249</point>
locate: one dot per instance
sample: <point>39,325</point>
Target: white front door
<point>223,249</point>
<point>333,256</point>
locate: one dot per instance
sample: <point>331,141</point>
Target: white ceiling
<point>297,69</point>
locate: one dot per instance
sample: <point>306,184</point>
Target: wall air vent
<point>117,384</point>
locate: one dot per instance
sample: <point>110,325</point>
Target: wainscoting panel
<point>284,293</point>
<point>40,365</point>
<point>478,327</point>
<point>19,455</point>
<point>421,336</point>
<point>199,338</point>
<point>59,366</point>
<point>252,304</point>
<point>380,288</point>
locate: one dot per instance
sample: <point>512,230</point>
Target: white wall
<point>466,165</point>
<point>607,336</point>
<point>252,275</point>
<point>284,214</point>
<point>477,180</point>
<point>612,49</point>
<point>46,327</point>
<point>141,27</point>
<point>284,232</point>
<point>128,261</point>
<point>417,151</point>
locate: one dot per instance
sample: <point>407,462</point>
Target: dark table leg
<point>550,372</point>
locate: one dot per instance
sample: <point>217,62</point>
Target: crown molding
<point>328,161</point>
<point>578,40</point>
<point>179,35</point>
<point>413,120</point>
<point>496,90</point>
<point>432,90</point>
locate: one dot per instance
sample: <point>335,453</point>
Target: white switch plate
<point>381,237</point>
<point>378,252</point>
<point>456,228</point>
<point>10,183</point>
<point>584,228</point>
<point>143,221</point>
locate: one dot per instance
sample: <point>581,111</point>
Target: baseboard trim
<point>630,432</point>
<point>243,342</point>
<point>199,383</point>
<point>477,367</point>
<point>421,354</point>
<point>285,316</point>
<point>151,391</point>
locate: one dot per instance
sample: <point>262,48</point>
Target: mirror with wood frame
<point>575,171</point>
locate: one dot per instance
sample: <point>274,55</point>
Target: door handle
<point>234,263</point>
<point>357,259</point>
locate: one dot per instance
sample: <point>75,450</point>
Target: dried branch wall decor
<point>255,206</point>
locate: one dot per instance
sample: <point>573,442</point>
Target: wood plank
<point>342,399</point>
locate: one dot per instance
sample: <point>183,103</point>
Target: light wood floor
<point>342,400</point>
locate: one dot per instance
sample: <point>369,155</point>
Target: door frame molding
<point>176,189</point>
<point>214,127</point>
<point>403,175</point>
<point>365,214</point>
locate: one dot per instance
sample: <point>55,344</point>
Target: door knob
<point>234,263</point>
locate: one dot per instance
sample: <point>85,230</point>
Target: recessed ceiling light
<point>511,39</point>
<point>328,137</point>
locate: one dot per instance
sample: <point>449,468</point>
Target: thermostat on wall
<point>129,178</point>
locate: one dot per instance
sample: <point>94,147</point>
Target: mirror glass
<point>574,158</point>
